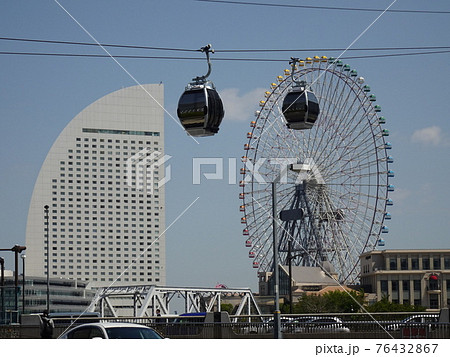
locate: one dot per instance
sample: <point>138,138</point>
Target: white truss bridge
<point>146,299</point>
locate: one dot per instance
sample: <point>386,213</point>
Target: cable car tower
<point>200,108</point>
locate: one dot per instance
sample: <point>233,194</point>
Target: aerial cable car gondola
<point>200,108</point>
<point>300,105</point>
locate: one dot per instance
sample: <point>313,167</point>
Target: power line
<point>337,49</point>
<point>95,44</point>
<point>215,58</point>
<point>226,50</point>
<point>323,7</point>
<point>94,55</point>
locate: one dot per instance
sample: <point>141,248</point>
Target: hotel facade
<point>102,182</point>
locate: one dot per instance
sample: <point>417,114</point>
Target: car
<point>415,321</point>
<point>321,324</point>
<point>266,326</point>
<point>111,330</point>
<point>190,323</point>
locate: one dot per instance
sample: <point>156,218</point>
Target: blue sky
<point>39,95</point>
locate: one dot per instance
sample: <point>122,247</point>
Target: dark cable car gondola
<point>300,105</point>
<point>200,108</point>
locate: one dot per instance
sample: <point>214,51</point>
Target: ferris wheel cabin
<point>200,110</point>
<point>300,108</point>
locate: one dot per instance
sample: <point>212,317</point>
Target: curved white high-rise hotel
<point>102,183</point>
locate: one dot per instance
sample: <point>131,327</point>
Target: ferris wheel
<point>318,134</point>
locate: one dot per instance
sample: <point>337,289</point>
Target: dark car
<point>428,321</point>
<point>190,323</point>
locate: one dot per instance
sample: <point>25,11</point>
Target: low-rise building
<point>66,295</point>
<point>415,277</point>
<point>299,279</point>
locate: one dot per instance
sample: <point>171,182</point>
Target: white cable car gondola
<point>200,108</point>
<point>300,105</point>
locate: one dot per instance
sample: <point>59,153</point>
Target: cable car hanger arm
<point>206,49</point>
<point>293,62</point>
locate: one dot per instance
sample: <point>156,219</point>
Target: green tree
<point>384,305</point>
<point>310,304</point>
<point>227,307</point>
<point>333,301</point>
<point>343,301</point>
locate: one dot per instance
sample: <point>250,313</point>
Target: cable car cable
<point>224,50</point>
<point>52,54</point>
<point>324,7</point>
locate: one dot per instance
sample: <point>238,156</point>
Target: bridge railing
<point>343,326</point>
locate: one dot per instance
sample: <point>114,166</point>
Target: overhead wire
<point>315,7</point>
<point>424,50</point>
<point>175,49</point>
<point>84,55</point>
<point>95,44</point>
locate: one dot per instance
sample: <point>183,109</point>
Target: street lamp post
<point>17,249</point>
<point>277,313</point>
<point>2,285</point>
<point>23,256</point>
<point>287,215</point>
<point>48,256</point>
<point>290,275</point>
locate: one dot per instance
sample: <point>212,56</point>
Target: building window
<point>436,263</point>
<point>425,263</point>
<point>394,285</point>
<point>384,287</point>
<point>434,301</point>
<point>393,263</point>
<point>415,263</point>
<point>404,264</point>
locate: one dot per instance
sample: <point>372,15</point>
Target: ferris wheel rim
<point>369,182</point>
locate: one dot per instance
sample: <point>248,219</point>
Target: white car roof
<point>112,324</point>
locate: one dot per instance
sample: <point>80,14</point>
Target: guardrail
<point>347,326</point>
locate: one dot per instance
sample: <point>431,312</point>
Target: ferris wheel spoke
<point>348,137</point>
<point>355,152</point>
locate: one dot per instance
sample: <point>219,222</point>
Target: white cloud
<point>241,107</point>
<point>432,135</point>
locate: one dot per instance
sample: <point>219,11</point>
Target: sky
<point>40,95</point>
